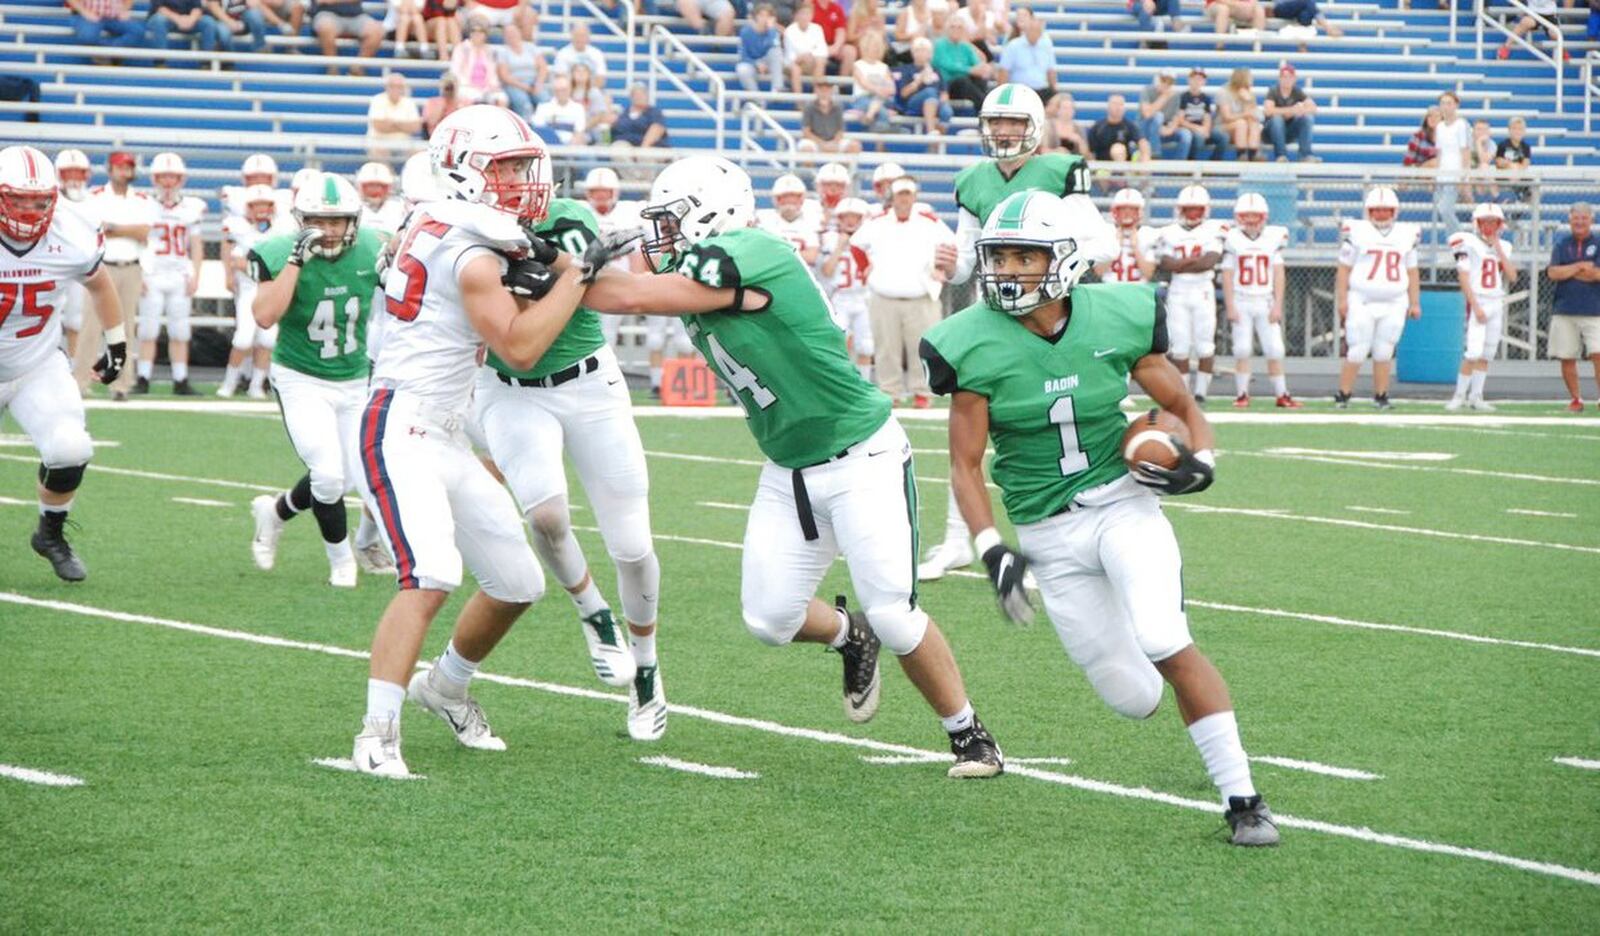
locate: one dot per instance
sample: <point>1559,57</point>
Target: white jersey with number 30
<point>33,288</point>
<point>1481,263</point>
<point>1252,259</point>
<point>1378,260</point>
<point>169,236</point>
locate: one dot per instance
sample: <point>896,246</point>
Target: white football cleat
<point>264,547</point>
<point>463,715</point>
<point>377,749</point>
<point>374,559</point>
<point>226,390</point>
<point>255,393</point>
<point>943,558</point>
<point>1455,404</point>
<point>608,652</point>
<point>343,575</point>
<point>1481,405</point>
<point>647,705</point>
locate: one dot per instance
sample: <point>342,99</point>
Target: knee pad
<point>1206,347</point>
<point>1272,343</point>
<point>639,587</point>
<point>1356,350</point>
<point>1242,340</point>
<point>898,627</point>
<point>149,324</point>
<point>551,520</point>
<point>67,446</point>
<point>267,338</point>
<point>772,628</point>
<point>244,338</point>
<point>179,328</point>
<point>61,480</point>
<point>1132,687</point>
<point>331,519</point>
<point>1382,351</point>
<point>327,488</point>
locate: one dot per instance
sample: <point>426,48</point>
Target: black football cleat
<point>860,653</point>
<point>141,386</point>
<point>50,541</point>
<point>182,388</point>
<point>1251,822</point>
<point>1341,400</point>
<point>1381,401</point>
<point>977,756</point>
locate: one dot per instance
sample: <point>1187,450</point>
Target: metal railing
<point>752,117</point>
<point>1481,14</point>
<point>1590,92</point>
<point>665,47</point>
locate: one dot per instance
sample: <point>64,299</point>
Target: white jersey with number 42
<point>169,235</point>
<point>801,232</point>
<point>33,288</point>
<point>1186,243</point>
<point>1481,264</point>
<point>1252,259</point>
<point>1378,260</point>
<point>1139,245</point>
<point>429,346</point>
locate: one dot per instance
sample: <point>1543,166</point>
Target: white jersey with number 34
<point>1378,260</point>
<point>33,288</point>
<point>1186,243</point>
<point>1481,263</point>
<point>1252,259</point>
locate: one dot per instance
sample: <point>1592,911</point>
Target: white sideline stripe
<point>1063,761</point>
<point>1513,432</point>
<point>1378,510</point>
<point>346,765</point>
<point>895,759</point>
<point>201,502</point>
<point>161,476</point>
<point>1327,770</point>
<point>21,441</point>
<point>705,770</point>
<point>40,777</point>
<point>1379,456</point>
<point>1386,527</point>
<point>15,502</point>
<point>1578,762</point>
<point>722,505</point>
<point>1541,513</point>
<point>1393,466</point>
<point>1549,869</point>
<point>230,408</point>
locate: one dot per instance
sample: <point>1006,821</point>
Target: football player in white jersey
<point>171,274</point>
<point>380,210</point>
<point>1375,290</point>
<point>257,169</point>
<point>844,274</point>
<point>602,189</point>
<point>1135,260</point>
<point>446,297</point>
<point>72,174</point>
<point>240,233</point>
<point>1190,249</point>
<point>787,218</point>
<point>833,186</point>
<point>882,178</point>
<point>1252,292</point>
<point>44,249</point>
<point>1483,265</point>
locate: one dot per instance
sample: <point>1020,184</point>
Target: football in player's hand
<point>1150,438</point>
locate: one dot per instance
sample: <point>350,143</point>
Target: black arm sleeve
<point>1158,333</point>
<point>259,271</point>
<point>941,376</point>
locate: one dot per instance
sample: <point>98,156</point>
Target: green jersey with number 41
<point>1054,406</point>
<point>570,225</point>
<point>323,333</point>
<point>982,186</point>
<point>788,364</point>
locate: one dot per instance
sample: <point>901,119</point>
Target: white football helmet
<point>601,187</point>
<point>695,198</point>
<point>1250,210</point>
<point>1017,102</point>
<point>376,182</point>
<point>883,177</point>
<point>1382,205</point>
<point>789,187</point>
<point>72,173</point>
<point>416,180</point>
<point>27,193</point>
<point>259,169</point>
<point>304,177</point>
<point>1194,205</point>
<point>260,205</point>
<point>168,166</point>
<point>466,146</point>
<point>1487,218</point>
<point>1127,208</point>
<point>850,213</point>
<point>1063,228</point>
<point>329,197</point>
<point>833,184</point>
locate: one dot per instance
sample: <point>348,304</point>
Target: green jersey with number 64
<point>1054,406</point>
<point>981,187</point>
<point>570,225</point>
<point>788,364</point>
<point>323,333</point>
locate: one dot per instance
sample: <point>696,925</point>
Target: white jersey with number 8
<point>1481,263</point>
<point>1252,259</point>
<point>1378,260</point>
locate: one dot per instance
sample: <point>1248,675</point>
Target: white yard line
<point>160,476</point>
<point>346,765</point>
<point>17,502</point>
<point>21,441</point>
<point>898,759</point>
<point>1479,430</point>
<point>1376,456</point>
<point>1393,466</point>
<point>1578,762</point>
<point>1385,527</point>
<point>39,777</point>
<point>1284,820</point>
<point>1327,770</point>
<point>704,770</point>
<point>1378,510</point>
<point>723,505</point>
<point>200,502</point>
<point>1541,513</point>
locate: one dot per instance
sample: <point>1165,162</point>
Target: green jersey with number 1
<point>570,225</point>
<point>1054,406</point>
<point>323,333</point>
<point>982,187</point>
<point>788,364</point>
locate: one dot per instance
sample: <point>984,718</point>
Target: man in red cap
<point>1290,116</point>
<point>125,216</point>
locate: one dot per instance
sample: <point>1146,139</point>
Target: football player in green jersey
<point>838,477</point>
<point>1040,367</point>
<point>317,285</point>
<point>1011,126</point>
<point>574,398</point>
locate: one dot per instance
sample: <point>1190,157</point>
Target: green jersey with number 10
<point>788,364</point>
<point>323,333</point>
<point>570,225</point>
<point>1054,406</point>
<point>980,188</point>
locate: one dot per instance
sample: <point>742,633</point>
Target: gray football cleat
<point>1251,821</point>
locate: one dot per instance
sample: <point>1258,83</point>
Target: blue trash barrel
<point>1430,349</point>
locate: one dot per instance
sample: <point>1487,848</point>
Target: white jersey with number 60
<point>1481,263</point>
<point>1378,260</point>
<point>1252,259</point>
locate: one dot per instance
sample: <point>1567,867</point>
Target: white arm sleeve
<point>967,231</point>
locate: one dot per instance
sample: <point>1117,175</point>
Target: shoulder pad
<point>481,224</point>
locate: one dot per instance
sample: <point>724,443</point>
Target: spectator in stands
<point>985,29</point>
<point>875,88</point>
<point>185,17</point>
<point>1305,14</point>
<point>438,108</point>
<point>561,119</point>
<point>830,15</point>
<point>1246,13</point>
<point>1030,57</point>
<point>1420,150</point>
<point>597,108</point>
<point>235,19</point>
<point>1545,9</point>
<point>523,71</point>
<point>502,13</point>
<point>965,73</point>
<point>914,22</point>
<point>721,13</point>
<point>408,21</point>
<point>1453,137</point>
<point>805,48</point>
<point>1514,157</point>
<point>760,51</point>
<point>1290,116</point>
<point>1483,153</point>
<point>1575,322</point>
<point>97,20</point>
<point>1145,11</point>
<point>1240,115</point>
<point>23,89</point>
<point>822,124</point>
<point>866,16</point>
<point>579,50</point>
<point>1591,30</point>
<point>1116,138</point>
<point>344,19</point>
<point>642,124</point>
<point>473,64</point>
<point>440,17</point>
<point>1197,114</point>
<point>393,121</point>
<point>286,16</point>
<point>919,91</point>
<point>1062,132</point>
<point>911,255</point>
<point>1158,117</point>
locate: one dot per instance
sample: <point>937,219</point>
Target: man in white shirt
<point>126,217</point>
<point>1453,137</point>
<point>911,255</point>
<point>392,121</point>
<point>805,47</point>
<point>563,118</point>
<point>580,51</point>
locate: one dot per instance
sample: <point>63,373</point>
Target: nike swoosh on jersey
<point>1104,351</point>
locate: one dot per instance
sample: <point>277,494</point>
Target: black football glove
<point>306,244</point>
<point>1006,570</point>
<point>527,278</point>
<point>541,249</point>
<point>1192,474</point>
<point>606,248</point>
<point>112,360</point>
